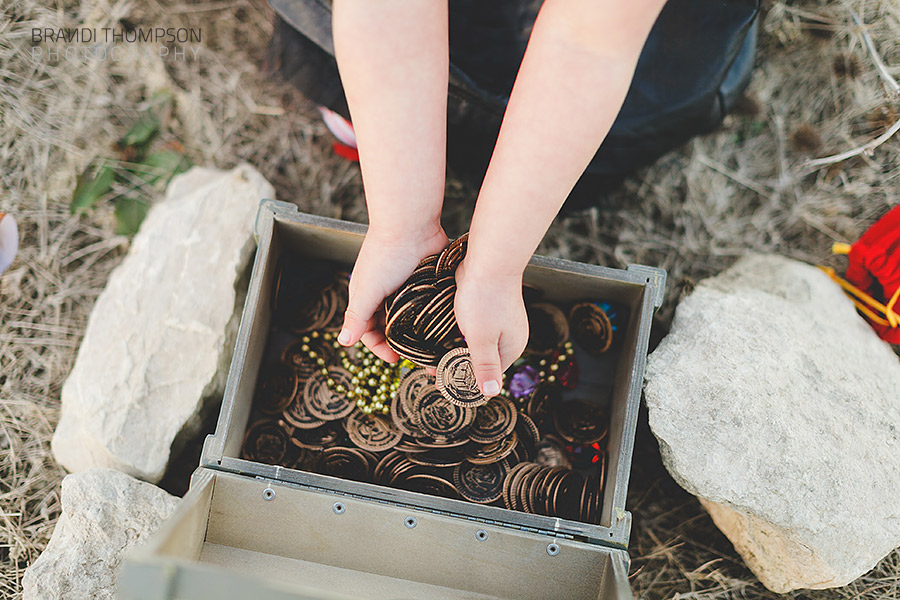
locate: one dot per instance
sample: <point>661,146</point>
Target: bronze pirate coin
<point>440,419</point>
<point>485,454</point>
<point>426,483</point>
<point>302,360</point>
<point>437,457</point>
<point>590,500</point>
<point>303,459</point>
<point>523,471</point>
<point>265,442</point>
<point>401,470</point>
<point>316,311</point>
<point>438,308</point>
<point>543,400</point>
<point>297,414</point>
<point>316,439</point>
<point>443,443</point>
<point>591,327</point>
<point>481,484</point>
<point>402,418</point>
<point>546,490</point>
<point>322,401</point>
<point>493,421</point>
<point>385,464</point>
<point>548,328</point>
<point>524,488</point>
<point>452,255</point>
<point>550,453</point>
<point>340,288</point>
<point>456,379</point>
<point>529,434</point>
<point>346,463</point>
<point>372,432</point>
<point>580,423</point>
<point>568,499</point>
<point>277,387</point>
<point>510,482</point>
<point>410,446</point>
<point>413,384</point>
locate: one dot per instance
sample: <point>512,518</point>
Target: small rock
<point>777,405</point>
<point>160,337</point>
<point>104,513</point>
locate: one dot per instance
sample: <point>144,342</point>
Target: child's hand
<point>491,316</point>
<point>385,261</point>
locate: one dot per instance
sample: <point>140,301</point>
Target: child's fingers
<point>359,317</point>
<point>375,341</point>
<point>485,362</point>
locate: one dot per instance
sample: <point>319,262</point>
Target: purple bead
<point>523,382</point>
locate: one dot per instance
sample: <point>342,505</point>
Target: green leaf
<point>141,133</point>
<point>89,188</point>
<point>161,166</point>
<point>130,214</point>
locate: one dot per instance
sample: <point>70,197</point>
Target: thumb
<point>486,364</point>
<point>360,311</point>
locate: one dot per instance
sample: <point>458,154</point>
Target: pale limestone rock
<point>104,512</point>
<point>160,336</point>
<point>777,405</point>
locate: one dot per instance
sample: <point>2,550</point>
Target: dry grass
<point>745,187</point>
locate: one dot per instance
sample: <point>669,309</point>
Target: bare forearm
<point>569,89</point>
<point>393,60</point>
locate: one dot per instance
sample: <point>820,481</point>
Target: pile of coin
<point>420,324</point>
<point>492,454</point>
<point>345,413</point>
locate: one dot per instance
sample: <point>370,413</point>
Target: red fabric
<point>875,266</point>
<point>344,151</point>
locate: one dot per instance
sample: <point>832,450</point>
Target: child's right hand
<point>385,262</point>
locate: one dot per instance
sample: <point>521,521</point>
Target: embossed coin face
<point>493,420</point>
<point>318,438</point>
<point>413,385</point>
<point>550,453</point>
<point>322,401</point>
<point>265,442</point>
<point>484,454</point>
<point>426,483</point>
<point>545,397</point>
<point>440,419</point>
<point>372,432</point>
<point>346,463</point>
<point>277,386</point>
<point>579,422</point>
<point>303,459</point>
<point>456,379</point>
<point>297,414</point>
<point>481,484</point>
<point>591,327</point>
<point>548,327</point>
<point>294,356</point>
<point>316,311</point>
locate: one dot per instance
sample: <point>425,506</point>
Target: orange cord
<point>866,303</point>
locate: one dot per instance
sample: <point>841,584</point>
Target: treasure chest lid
<point>236,537</point>
<point>322,237</point>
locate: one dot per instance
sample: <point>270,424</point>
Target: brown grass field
<point>818,91</point>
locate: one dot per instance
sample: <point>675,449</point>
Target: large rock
<point>777,405</point>
<point>160,336</point>
<point>104,512</point>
